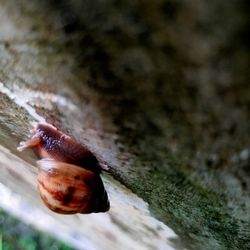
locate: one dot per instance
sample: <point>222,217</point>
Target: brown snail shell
<point>69,189</point>
<point>64,186</point>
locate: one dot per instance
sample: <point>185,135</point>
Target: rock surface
<point>158,90</point>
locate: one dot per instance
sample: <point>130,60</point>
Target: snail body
<point>69,179</point>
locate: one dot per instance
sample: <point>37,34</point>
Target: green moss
<point>175,112</point>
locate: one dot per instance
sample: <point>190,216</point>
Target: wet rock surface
<point>158,90</point>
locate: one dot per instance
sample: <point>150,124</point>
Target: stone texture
<point>157,89</point>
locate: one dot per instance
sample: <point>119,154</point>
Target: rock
<point>159,91</point>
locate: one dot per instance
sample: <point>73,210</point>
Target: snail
<point>69,179</point>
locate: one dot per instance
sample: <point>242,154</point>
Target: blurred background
<point>157,89</point>
<point>15,234</point>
